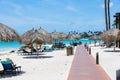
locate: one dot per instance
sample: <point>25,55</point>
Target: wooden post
<point>90,50</point>
<point>97,58</point>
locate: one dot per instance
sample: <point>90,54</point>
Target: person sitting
<point>10,60</point>
<point>18,68</point>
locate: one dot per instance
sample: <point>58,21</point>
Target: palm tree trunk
<point>109,24</point>
<point>106,18</point>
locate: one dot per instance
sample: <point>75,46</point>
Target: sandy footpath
<point>53,65</point>
<point>108,59</point>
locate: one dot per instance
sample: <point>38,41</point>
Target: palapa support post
<point>97,58</point>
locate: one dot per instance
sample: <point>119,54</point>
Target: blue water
<point>84,41</point>
<point>8,46</point>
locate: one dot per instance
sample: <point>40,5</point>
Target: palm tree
<point>107,15</point>
<point>106,19</point>
<point>109,24</point>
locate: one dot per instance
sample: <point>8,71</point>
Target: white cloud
<point>111,5</point>
<point>71,8</point>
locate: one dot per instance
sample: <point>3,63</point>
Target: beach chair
<point>42,49</point>
<point>9,67</point>
<point>24,51</point>
<point>33,50</point>
<point>56,48</point>
<point>47,49</point>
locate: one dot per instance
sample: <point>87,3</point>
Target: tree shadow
<point>10,74</point>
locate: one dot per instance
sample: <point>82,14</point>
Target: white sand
<point>108,59</point>
<point>47,66</point>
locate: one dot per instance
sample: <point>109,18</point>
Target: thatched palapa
<point>48,38</point>
<point>73,36</point>
<point>36,36</point>
<point>110,35</point>
<point>33,36</point>
<point>7,34</point>
<point>58,36</point>
<point>95,37</point>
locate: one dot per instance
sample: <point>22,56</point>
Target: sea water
<point>9,46</point>
<point>84,41</point>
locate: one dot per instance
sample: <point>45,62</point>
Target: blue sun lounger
<point>9,67</point>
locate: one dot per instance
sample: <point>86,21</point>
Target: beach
<point>56,65</point>
<point>53,65</point>
<point>108,59</point>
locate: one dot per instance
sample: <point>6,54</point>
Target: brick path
<point>84,67</point>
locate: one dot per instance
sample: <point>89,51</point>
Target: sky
<point>56,15</point>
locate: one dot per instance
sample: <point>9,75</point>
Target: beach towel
<point>1,67</point>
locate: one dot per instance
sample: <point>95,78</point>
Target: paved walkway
<point>84,67</point>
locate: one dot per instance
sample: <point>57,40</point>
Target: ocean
<point>84,41</point>
<point>9,46</point>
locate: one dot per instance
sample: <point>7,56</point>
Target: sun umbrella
<point>55,35</point>
<point>73,36</point>
<point>44,32</point>
<point>110,35</point>
<point>58,36</point>
<point>7,34</point>
<point>58,39</point>
<point>48,37</point>
<point>63,36</point>
<point>95,37</point>
<point>33,36</point>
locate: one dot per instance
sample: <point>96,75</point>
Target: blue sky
<point>59,15</point>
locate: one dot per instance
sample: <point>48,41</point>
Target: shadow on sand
<point>10,75</point>
<point>112,51</point>
<point>37,56</point>
<point>26,54</point>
